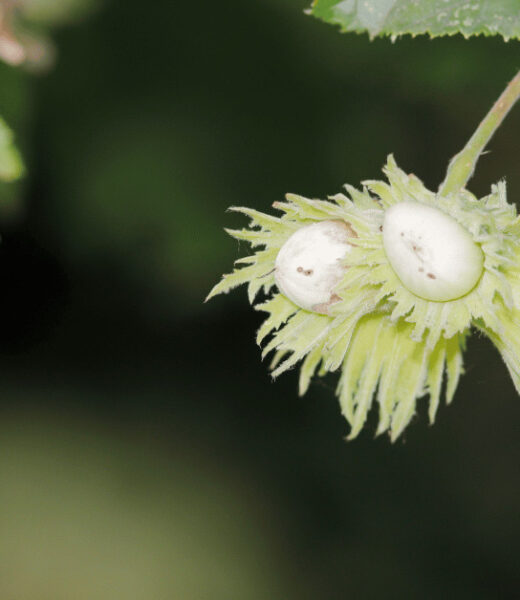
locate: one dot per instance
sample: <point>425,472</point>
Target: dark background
<point>144,451</point>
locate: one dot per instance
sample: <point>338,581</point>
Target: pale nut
<point>432,254</point>
<point>311,263</point>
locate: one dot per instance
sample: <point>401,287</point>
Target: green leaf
<point>11,165</point>
<point>433,17</point>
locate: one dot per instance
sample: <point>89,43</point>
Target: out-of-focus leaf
<point>56,12</point>
<point>23,40</point>
<point>121,518</point>
<point>433,17</point>
<point>11,164</point>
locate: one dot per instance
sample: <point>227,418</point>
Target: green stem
<point>462,165</point>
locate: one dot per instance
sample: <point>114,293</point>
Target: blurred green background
<point>144,451</point>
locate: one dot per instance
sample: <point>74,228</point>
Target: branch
<point>462,165</point>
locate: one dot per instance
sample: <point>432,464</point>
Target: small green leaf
<point>433,17</point>
<point>11,164</point>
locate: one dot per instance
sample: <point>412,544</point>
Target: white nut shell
<point>432,254</point>
<point>310,264</point>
